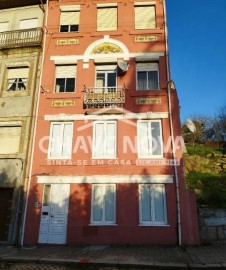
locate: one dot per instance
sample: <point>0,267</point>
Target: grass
<point>210,189</point>
<point>202,150</point>
<point>209,185</point>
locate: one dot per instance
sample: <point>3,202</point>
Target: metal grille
<point>21,38</point>
<point>100,97</point>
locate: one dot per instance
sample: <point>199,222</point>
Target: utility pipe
<point>35,125</point>
<point>171,127</point>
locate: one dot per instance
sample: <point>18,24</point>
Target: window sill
<point>138,93</point>
<point>102,224</point>
<point>153,225</point>
<point>146,31</point>
<point>106,32</point>
<point>67,35</point>
<point>58,158</point>
<point>105,158</point>
<point>159,158</point>
<point>15,93</point>
<point>64,95</point>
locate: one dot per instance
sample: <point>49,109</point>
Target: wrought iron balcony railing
<point>101,97</point>
<point>21,38</point>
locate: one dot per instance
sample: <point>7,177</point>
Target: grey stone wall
<point>212,224</point>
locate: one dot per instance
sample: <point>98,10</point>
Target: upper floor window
<point>9,138</point>
<point>149,139</point>
<point>60,144</point>
<point>147,76</point>
<point>4,26</point>
<point>104,139</point>
<point>65,78</point>
<point>152,204</point>
<point>17,78</point>
<point>69,18</point>
<point>106,79</point>
<point>106,17</point>
<point>29,23</point>
<point>144,16</point>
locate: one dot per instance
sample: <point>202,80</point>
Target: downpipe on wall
<point>169,83</point>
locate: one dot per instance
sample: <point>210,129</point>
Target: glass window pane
<point>142,80</point>
<point>56,141</point>
<point>74,28</point>
<point>60,85</point>
<point>67,138</point>
<point>12,85</point>
<point>159,204</point>
<point>143,139</point>
<point>97,203</point>
<point>156,138</point>
<point>99,140</point>
<point>110,140</point>
<point>110,204</point>
<point>153,80</point>
<point>22,84</point>
<point>46,197</point>
<point>111,80</point>
<point>100,81</point>
<point>70,85</point>
<point>64,28</point>
<point>145,203</point>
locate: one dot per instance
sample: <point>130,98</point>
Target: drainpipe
<point>171,128</point>
<point>35,125</point>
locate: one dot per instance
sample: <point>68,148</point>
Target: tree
<point>203,124</point>
<point>217,132</point>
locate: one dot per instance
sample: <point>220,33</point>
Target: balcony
<point>21,38</point>
<point>104,97</point>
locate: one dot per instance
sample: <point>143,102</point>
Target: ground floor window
<point>103,204</point>
<point>152,204</point>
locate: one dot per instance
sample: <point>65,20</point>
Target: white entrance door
<point>53,224</point>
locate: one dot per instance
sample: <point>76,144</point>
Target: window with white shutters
<point>65,78</point>
<point>103,204</point>
<point>4,26</point>
<point>10,139</point>
<point>147,76</point>
<point>106,18</point>
<point>104,139</point>
<point>149,139</point>
<point>145,16</point>
<point>60,142</point>
<point>152,204</point>
<point>17,79</point>
<point>29,23</point>
<point>69,21</point>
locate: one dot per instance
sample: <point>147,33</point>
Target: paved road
<point>113,257</point>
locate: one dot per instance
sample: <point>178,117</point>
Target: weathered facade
<point>20,62</point>
<point>105,170</point>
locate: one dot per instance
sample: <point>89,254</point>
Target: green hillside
<point>205,172</point>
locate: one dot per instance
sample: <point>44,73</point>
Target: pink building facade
<point>107,160</point>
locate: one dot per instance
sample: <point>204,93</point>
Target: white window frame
<point>51,140</point>
<point>13,124</point>
<point>94,140</point>
<point>65,78</point>
<point>149,138</point>
<point>153,222</point>
<point>24,79</point>
<point>106,6</point>
<point>144,4</point>
<point>103,222</point>
<point>148,69</point>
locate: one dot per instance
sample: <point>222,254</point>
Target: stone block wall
<point>212,224</point>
